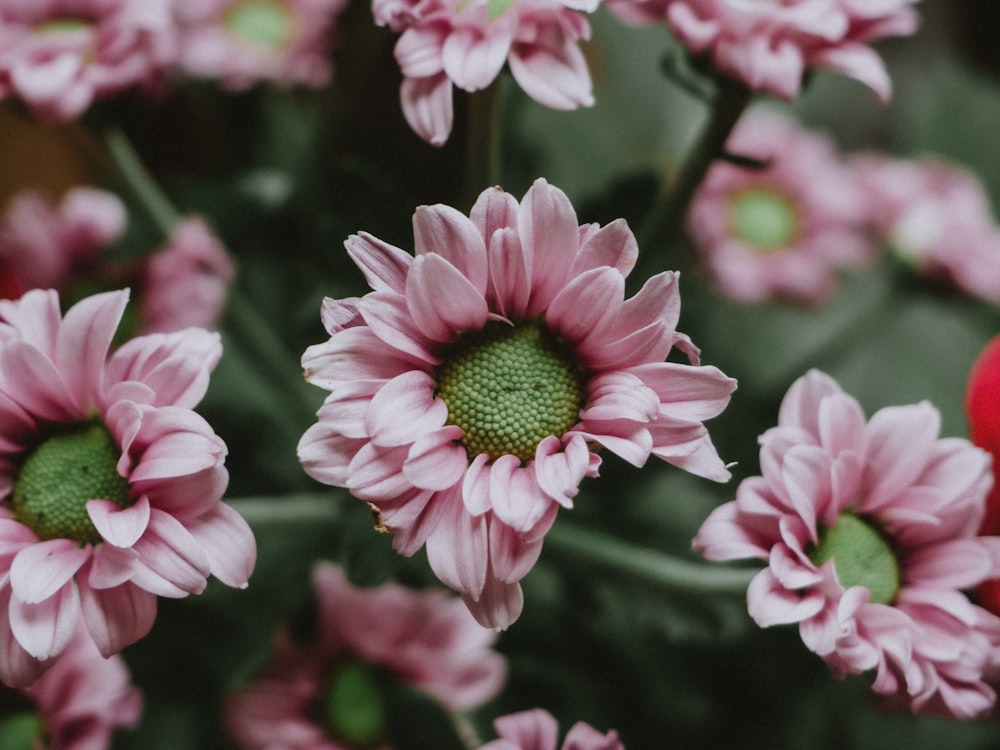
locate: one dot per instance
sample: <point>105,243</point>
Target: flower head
<point>783,230</point>
<point>471,387</point>
<point>364,637</point>
<point>537,730</point>
<point>870,533</point>
<point>769,45</point>
<point>111,484</point>
<point>466,43</point>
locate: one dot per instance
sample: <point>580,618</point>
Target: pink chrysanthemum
<point>470,389</point>
<point>466,43</point>
<point>784,230</point>
<point>111,484</point>
<point>76,705</point>
<point>869,530</point>
<point>243,42</point>
<point>537,730</point>
<point>770,45</point>
<point>936,218</point>
<point>422,639</point>
<point>58,56</point>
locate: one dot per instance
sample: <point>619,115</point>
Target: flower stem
<point>482,147</point>
<point>140,181</point>
<point>281,510</point>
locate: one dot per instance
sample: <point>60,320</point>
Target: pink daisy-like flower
<point>936,218</point>
<point>111,484</point>
<point>58,56</point>
<point>328,694</point>
<point>870,534</point>
<point>76,705</point>
<point>537,730</point>
<point>471,388</point>
<point>466,43</point>
<point>769,45</point>
<point>784,230</point>
<point>185,283</point>
<point>242,42</point>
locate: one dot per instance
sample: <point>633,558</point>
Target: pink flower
<point>785,230</point>
<point>242,42</point>
<point>58,56</point>
<point>936,218</point>
<point>185,283</point>
<point>472,387</point>
<point>44,245</point>
<point>466,43</point>
<point>537,730</point>
<point>769,45</point>
<point>869,530</point>
<point>112,485</point>
<point>424,639</point>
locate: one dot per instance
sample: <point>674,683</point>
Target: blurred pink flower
<point>467,42</point>
<point>870,533</point>
<point>425,639</point>
<point>243,42</point>
<point>472,387</point>
<point>935,217</point>
<point>770,45</point>
<point>185,283</point>
<point>785,230</point>
<point>537,730</point>
<point>112,485</point>
<point>58,56</point>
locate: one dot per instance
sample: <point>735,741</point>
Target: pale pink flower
<point>936,218</point>
<point>243,42</point>
<point>870,534</point>
<point>769,45</point>
<point>466,43</point>
<point>58,56</point>
<point>424,639</point>
<point>783,230</point>
<point>186,282</point>
<point>537,730</point>
<point>112,485</point>
<point>472,388</point>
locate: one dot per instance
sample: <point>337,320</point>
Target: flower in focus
<point>537,730</point>
<point>76,705</point>
<point>328,694</point>
<point>870,533</point>
<point>111,484</point>
<point>59,56</point>
<point>783,230</point>
<point>466,43</point>
<point>472,386</point>
<point>936,218</point>
<point>769,45</point>
<point>185,283</point>
<point>242,42</point>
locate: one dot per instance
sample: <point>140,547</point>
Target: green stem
<point>482,147</point>
<point>140,181</point>
<point>306,508</point>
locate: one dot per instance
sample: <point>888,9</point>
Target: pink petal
<point>170,551</point>
<point>476,486</point>
<point>442,300</point>
<point>536,729</point>
<point>858,61</point>
<point>18,669</point>
<point>389,318</point>
<point>84,339</point>
<point>517,499</point>
<point>958,563</point>
<point>40,570</point>
<point>32,380</point>
<point>117,617</point>
<point>229,544</point>
<point>352,354</point>
<point>687,392</point>
<point>404,409</point>
<point>472,59</point>
<point>377,473</point>
<point>549,234</point>
<point>384,266</point>
<point>510,273</point>
<point>444,231</point>
<point>119,526</point>
<point>457,549</point>
<point>559,470</point>
<point>725,536</point>
<point>499,604</point>
<point>900,440</point>
<point>769,603</point>
<point>494,210</point>
<point>589,298</point>
<point>46,628</point>
<point>612,246</point>
<point>511,555</point>
<point>437,460</point>
<point>111,566</point>
<point>555,75</point>
<point>427,107</point>
<point>418,51</point>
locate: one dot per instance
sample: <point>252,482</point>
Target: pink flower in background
<point>243,42</point>
<point>935,217</point>
<point>466,43</point>
<point>186,282</point>
<point>425,639</point>
<point>537,730</point>
<point>58,56</point>
<point>785,230</point>
<point>111,484</point>
<point>870,534</point>
<point>471,388</point>
<point>769,45</point>
<point>45,245</point>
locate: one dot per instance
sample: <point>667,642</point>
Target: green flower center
<point>60,475</point>
<point>510,387</point>
<point>862,556</point>
<point>63,26</point>
<point>763,218</point>
<point>22,731</point>
<point>262,22</point>
<point>354,705</point>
